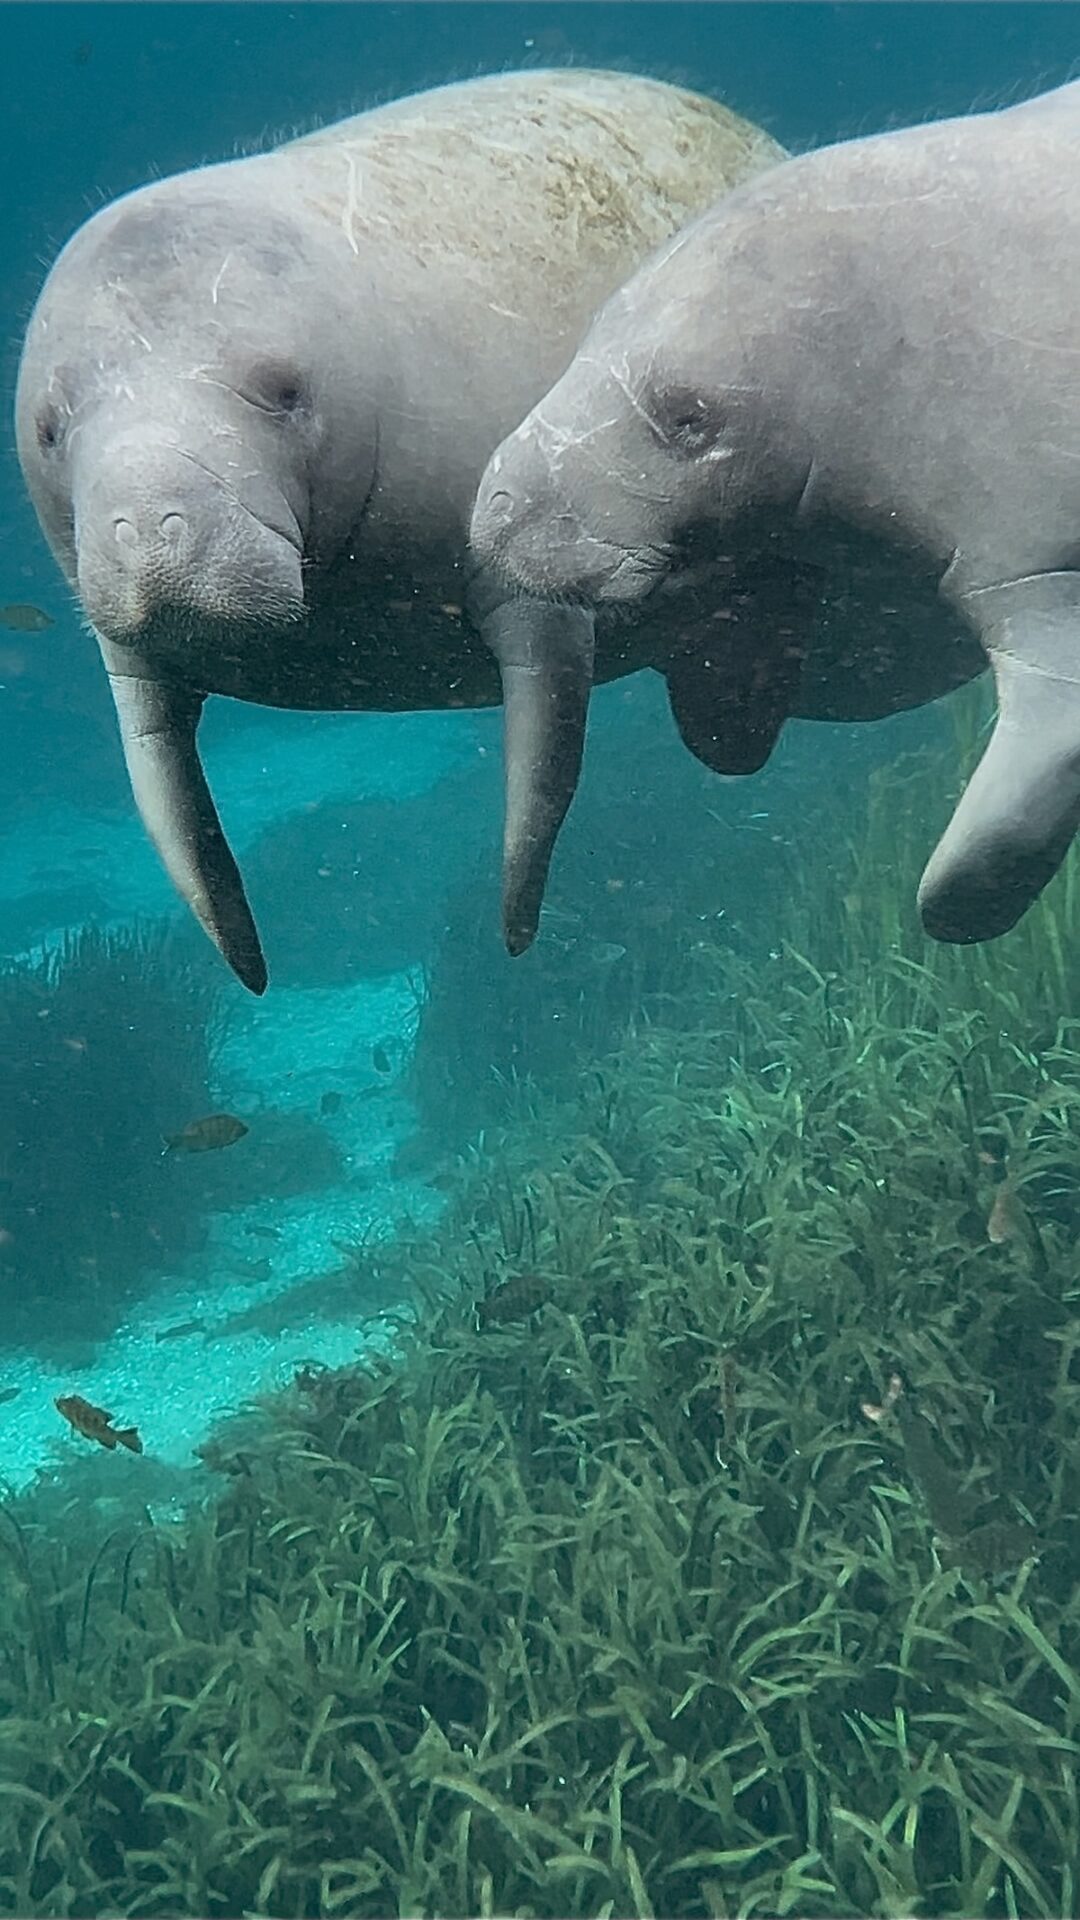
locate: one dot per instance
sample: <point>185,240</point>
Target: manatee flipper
<point>545,656</point>
<point>158,724</point>
<point>729,706</point>
<point>1021,807</point>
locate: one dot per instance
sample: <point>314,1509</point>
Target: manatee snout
<point>555,517</point>
<point>522,526</point>
<point>162,541</point>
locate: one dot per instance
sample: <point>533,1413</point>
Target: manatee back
<point>557,179</point>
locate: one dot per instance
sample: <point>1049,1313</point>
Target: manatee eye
<point>289,397</point>
<point>49,428</point>
<point>276,388</point>
<point>685,420</point>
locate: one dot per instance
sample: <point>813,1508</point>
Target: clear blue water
<point>369,841</point>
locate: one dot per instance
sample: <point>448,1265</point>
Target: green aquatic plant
<point>107,1043</point>
<point>628,1606</point>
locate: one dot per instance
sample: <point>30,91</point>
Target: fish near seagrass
<point>1006,1219</point>
<point>982,1546</point>
<point>255,401</point>
<point>94,1423</point>
<point>867,361</point>
<point>208,1135</point>
<point>514,1299</point>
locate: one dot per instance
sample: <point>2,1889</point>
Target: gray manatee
<point>255,401</point>
<point>868,360</point>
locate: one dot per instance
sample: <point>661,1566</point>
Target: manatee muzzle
<point>162,540</point>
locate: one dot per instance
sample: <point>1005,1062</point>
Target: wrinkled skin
<point>871,355</point>
<point>255,401</point>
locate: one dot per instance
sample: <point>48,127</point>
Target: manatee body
<point>255,401</point>
<point>869,360</point>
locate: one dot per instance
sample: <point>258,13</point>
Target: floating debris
<point>7,1394</point>
<point>209,1135</point>
<point>380,1059</point>
<point>879,1414</point>
<point>94,1423</point>
<point>23,618</point>
<point>259,1232</point>
<point>331,1103</point>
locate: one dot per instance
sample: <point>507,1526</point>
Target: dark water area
<point>588,1433</point>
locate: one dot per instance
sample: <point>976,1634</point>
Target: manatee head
<point>184,435</point>
<point>656,430</point>
<point>196,443</point>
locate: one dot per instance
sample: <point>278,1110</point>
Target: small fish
<point>950,1506</point>
<point>180,1331</point>
<point>602,953</point>
<point>207,1135</point>
<point>258,1232</point>
<point>94,1423</point>
<point>330,1103</point>
<point>23,618</point>
<point>1007,1220</point>
<point>252,1269</point>
<point>513,1299</point>
<point>996,1547</point>
<point>7,1394</point>
<point>380,1059</point>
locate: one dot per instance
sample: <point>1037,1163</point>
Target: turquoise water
<point>396,1036</point>
<point>350,811</point>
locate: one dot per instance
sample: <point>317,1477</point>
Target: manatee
<point>868,361</point>
<point>255,401</point>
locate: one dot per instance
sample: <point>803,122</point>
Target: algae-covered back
<point>502,165</point>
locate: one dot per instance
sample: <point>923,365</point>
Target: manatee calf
<point>255,401</point>
<point>868,359</point>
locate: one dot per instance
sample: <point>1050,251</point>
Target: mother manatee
<point>871,354</point>
<point>255,401</point>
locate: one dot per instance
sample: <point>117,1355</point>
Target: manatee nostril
<point>172,527</point>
